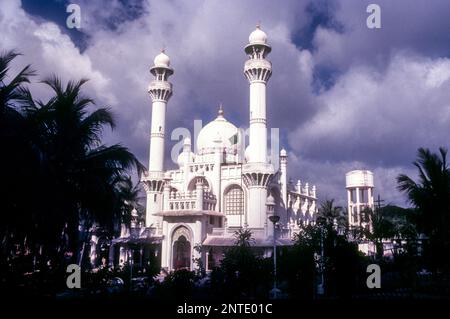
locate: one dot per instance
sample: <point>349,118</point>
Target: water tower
<point>359,185</point>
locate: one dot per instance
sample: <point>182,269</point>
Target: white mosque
<point>193,211</point>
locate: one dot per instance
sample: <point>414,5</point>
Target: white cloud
<point>386,101</point>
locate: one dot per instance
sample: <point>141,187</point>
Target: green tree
<point>83,175</point>
<point>379,227</point>
<point>331,216</point>
<point>430,194</point>
<point>243,273</point>
<point>57,172</point>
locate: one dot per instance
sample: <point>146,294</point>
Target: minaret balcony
<point>258,168</point>
<point>257,64</point>
<point>149,176</point>
<point>258,70</point>
<point>160,90</point>
<point>160,85</point>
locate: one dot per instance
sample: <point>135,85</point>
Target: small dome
<point>187,141</point>
<point>162,59</point>
<point>258,36</point>
<point>283,152</point>
<point>216,133</point>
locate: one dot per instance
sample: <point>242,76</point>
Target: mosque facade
<point>194,211</point>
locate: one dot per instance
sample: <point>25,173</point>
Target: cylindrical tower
<point>257,172</point>
<point>258,71</point>
<point>160,90</point>
<point>283,176</point>
<point>359,185</point>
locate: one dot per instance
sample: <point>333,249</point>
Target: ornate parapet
<point>187,201</point>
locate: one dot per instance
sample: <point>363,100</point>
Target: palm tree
<point>13,91</point>
<point>84,172</point>
<point>128,196</point>
<point>331,216</point>
<point>56,172</point>
<point>379,227</point>
<point>243,237</point>
<point>17,157</point>
<point>431,196</point>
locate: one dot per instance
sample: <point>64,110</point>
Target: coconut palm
<point>431,196</point>
<point>13,91</point>
<point>380,227</point>
<point>330,215</point>
<point>17,160</point>
<point>82,172</point>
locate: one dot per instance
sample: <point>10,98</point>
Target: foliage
<point>243,273</point>
<point>59,173</point>
<point>320,250</point>
<point>178,284</point>
<point>431,196</point>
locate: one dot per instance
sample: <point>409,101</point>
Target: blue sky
<point>344,96</point>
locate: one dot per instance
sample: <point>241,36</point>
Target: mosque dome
<point>217,133</point>
<point>258,36</point>
<point>162,59</point>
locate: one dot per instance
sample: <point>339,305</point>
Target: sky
<point>344,96</point>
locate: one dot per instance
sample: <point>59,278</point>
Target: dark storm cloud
<point>343,96</point>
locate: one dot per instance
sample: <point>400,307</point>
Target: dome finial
<point>258,36</point>
<point>162,59</point>
<point>220,111</point>
<point>258,25</point>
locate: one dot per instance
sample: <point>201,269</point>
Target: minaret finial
<point>163,49</point>
<point>220,111</point>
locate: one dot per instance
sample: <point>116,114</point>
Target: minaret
<point>258,71</point>
<point>160,91</point>
<point>283,176</point>
<point>257,173</point>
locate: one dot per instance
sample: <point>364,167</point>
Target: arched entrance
<point>181,249</point>
<point>181,253</point>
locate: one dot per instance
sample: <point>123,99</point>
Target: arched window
<point>234,201</point>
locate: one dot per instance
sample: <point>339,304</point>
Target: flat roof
<point>181,213</point>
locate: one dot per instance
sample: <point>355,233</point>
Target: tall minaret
<point>257,172</point>
<point>283,176</point>
<point>258,71</point>
<point>160,90</point>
